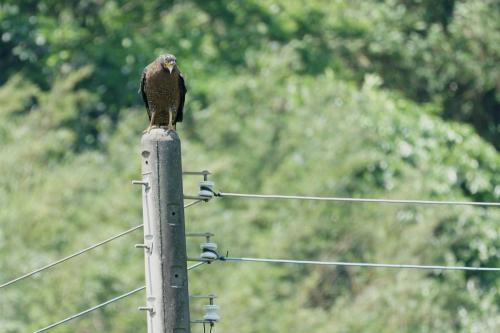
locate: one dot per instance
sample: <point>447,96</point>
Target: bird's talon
<point>148,130</point>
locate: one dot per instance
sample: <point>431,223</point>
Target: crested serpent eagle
<point>163,91</point>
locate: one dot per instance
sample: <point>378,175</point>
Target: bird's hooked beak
<point>169,64</point>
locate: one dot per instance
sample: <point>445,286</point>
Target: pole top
<point>159,134</point>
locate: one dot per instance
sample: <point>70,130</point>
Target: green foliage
<point>445,52</point>
<point>319,98</point>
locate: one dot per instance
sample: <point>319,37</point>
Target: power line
<point>76,254</point>
<point>359,264</point>
<point>196,265</point>
<point>342,199</point>
<point>192,203</point>
<point>77,315</point>
<point>90,309</point>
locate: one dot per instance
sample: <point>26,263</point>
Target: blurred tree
<point>445,52</point>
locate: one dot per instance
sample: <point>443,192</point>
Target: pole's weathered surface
<point>164,233</point>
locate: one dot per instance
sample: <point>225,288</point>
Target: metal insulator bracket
<point>140,182</point>
<point>209,251</point>
<point>203,173</point>
<point>150,309</point>
<point>207,235</point>
<point>211,310</point>
<point>211,313</point>
<point>206,189</point>
<point>147,247</point>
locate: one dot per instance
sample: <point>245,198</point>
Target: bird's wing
<point>182,92</point>
<point>141,91</point>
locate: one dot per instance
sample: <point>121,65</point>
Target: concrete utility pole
<point>164,234</point>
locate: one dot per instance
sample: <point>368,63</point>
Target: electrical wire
<point>196,265</point>
<point>192,203</point>
<point>359,264</point>
<point>77,315</point>
<point>342,199</point>
<point>90,310</point>
<point>76,254</point>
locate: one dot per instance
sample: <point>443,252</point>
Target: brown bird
<point>163,92</point>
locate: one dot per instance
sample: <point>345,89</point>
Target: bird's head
<point>168,62</point>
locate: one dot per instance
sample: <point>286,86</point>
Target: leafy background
<point>395,98</point>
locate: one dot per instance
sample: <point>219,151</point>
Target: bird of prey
<point>163,92</point>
